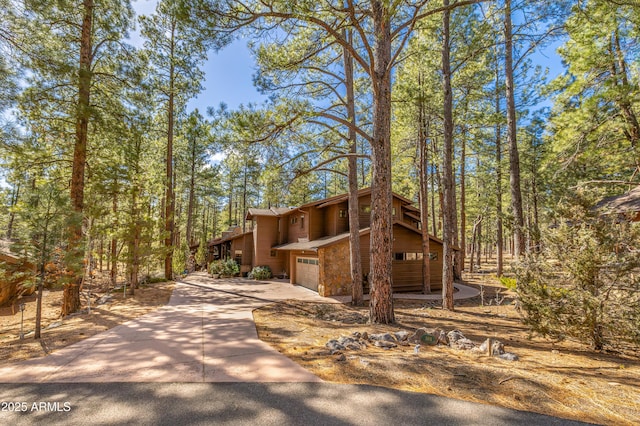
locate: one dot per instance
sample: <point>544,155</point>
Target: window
<point>294,220</point>
<point>301,221</point>
<point>433,256</point>
<point>305,261</point>
<point>408,256</point>
<point>365,209</point>
<point>343,213</point>
<point>393,211</point>
<point>273,253</point>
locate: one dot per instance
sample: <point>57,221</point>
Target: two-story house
<point>310,244</point>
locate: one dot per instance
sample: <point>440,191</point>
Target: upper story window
<point>294,220</point>
<point>343,213</point>
<point>365,209</point>
<point>393,211</point>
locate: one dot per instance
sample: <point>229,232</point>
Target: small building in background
<point>13,273</point>
<point>627,205</point>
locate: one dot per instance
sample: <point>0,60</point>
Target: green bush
<point>224,267</point>
<point>231,268</point>
<point>509,283</point>
<point>216,267</point>
<point>260,273</point>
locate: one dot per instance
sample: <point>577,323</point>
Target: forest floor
<point>59,332</point>
<point>563,379</point>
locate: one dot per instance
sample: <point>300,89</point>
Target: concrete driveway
<point>205,334</point>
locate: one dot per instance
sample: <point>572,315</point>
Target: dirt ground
<point>59,332</point>
<point>563,379</point>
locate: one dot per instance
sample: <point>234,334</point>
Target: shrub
<point>585,283</point>
<point>260,273</point>
<point>216,267</point>
<point>508,282</point>
<point>231,268</point>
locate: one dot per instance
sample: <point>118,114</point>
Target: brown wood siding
<point>365,218</point>
<point>397,208</point>
<point>342,223</point>
<point>295,230</point>
<point>407,274</point>
<point>266,235</point>
<point>314,221</point>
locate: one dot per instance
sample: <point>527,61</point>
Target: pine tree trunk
<point>381,302</point>
<point>463,216</point>
<point>514,159</point>
<point>114,240</point>
<point>448,232</point>
<point>15,195</point>
<point>424,192</point>
<point>499,236</point>
<point>424,220</point>
<point>169,198</point>
<point>354,212</point>
<point>192,194</point>
<point>71,293</point>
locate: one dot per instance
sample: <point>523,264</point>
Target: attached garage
<point>307,272</point>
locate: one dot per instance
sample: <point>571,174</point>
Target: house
<point>627,204</point>
<point>310,244</point>
<point>13,271</point>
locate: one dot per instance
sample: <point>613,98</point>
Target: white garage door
<point>307,272</point>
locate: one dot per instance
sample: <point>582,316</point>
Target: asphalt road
<point>252,404</point>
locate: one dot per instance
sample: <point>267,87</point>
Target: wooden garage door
<point>307,272</point>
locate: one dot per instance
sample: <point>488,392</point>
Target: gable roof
<point>283,211</point>
<point>226,238</point>
<point>273,211</point>
<point>327,241</point>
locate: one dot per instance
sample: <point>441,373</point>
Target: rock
<point>341,358</point>
<point>333,346</point>
<point>401,336</point>
<point>54,325</point>
<point>508,356</point>
<point>104,299</point>
<point>384,344</point>
<point>442,338</point>
<point>344,343</point>
<point>458,341</point>
<point>386,337</point>
<point>417,335</point>
<point>497,348</point>
<point>429,337</point>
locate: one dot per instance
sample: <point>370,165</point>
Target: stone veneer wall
<point>335,278</point>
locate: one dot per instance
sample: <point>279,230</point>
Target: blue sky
<point>229,73</point>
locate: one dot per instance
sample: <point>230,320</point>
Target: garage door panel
<point>307,271</point>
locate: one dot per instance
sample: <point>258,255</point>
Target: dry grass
<point>58,333</point>
<point>563,379</point>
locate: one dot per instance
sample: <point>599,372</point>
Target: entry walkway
<point>462,292</point>
<point>205,334</point>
